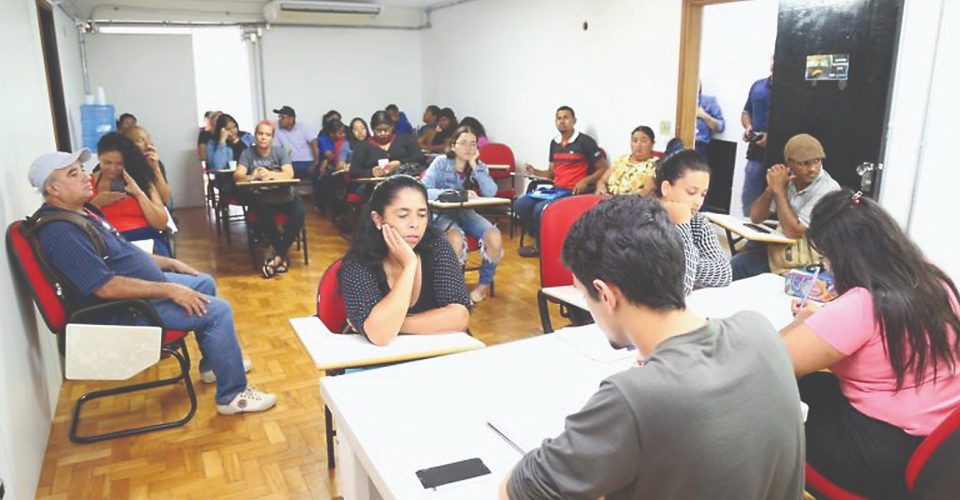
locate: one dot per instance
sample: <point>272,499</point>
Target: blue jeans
<point>754,182</point>
<point>214,331</point>
<point>469,222</point>
<point>750,261</point>
<point>529,210</point>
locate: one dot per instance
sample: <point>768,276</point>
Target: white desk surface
<point>738,226</point>
<point>476,202</point>
<point>331,351</point>
<point>526,388</point>
<point>542,378</point>
<point>764,294</point>
<point>274,182</point>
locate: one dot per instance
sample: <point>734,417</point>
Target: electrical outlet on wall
<point>666,128</point>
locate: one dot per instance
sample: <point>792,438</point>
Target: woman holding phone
<point>125,190</point>
<point>387,151</point>
<point>400,275</point>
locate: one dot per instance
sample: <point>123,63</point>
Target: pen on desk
<point>505,438</point>
<point>813,283</point>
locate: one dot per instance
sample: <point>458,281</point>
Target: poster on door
<point>827,67</point>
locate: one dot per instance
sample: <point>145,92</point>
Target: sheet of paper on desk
<point>590,341</point>
<point>334,349</point>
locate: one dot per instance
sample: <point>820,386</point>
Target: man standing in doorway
<point>299,140</point>
<point>709,121</point>
<point>756,123</point>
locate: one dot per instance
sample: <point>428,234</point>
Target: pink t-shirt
<point>866,377</point>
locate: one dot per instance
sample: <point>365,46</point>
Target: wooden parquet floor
<point>277,454</point>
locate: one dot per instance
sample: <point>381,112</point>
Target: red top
<point>124,215</point>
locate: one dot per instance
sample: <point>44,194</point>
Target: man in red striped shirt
<point>576,163</point>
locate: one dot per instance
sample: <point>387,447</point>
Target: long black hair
<point>674,166</point>
<point>473,123</point>
<point>911,297</point>
<point>368,245</point>
<point>222,121</point>
<point>351,138</point>
<point>134,163</point>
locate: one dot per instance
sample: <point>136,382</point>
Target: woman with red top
<point>889,340</point>
<point>125,190</point>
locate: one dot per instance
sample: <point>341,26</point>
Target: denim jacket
<point>219,155</point>
<point>442,175</point>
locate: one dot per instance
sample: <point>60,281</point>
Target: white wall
<point>933,221</point>
<point>71,69</point>
<point>152,77</point>
<point>355,71</point>
<point>29,363</point>
<point>222,74</point>
<point>511,64</point>
<point>731,59</point>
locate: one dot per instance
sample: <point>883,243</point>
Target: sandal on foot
<point>268,270</point>
<point>283,266</point>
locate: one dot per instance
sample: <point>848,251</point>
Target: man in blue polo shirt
<point>756,123</point>
<point>183,298</point>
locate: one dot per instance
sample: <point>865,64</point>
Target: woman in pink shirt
<point>889,340</point>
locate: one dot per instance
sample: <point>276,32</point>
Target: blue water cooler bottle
<point>97,120</point>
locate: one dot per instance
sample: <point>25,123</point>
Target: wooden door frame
<point>688,80</point>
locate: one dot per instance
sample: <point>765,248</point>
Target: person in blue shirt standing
<point>756,123</point>
<point>709,121</point>
<point>460,168</point>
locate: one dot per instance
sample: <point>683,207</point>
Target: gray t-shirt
<point>803,201</point>
<point>714,413</point>
<point>274,160</point>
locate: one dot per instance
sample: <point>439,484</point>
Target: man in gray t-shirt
<point>714,412</point>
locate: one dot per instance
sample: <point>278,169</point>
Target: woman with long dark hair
<point>400,275</point>
<point>682,180</point>
<point>889,340</point>
<point>357,132</point>
<point>387,151</point>
<point>478,129</point>
<point>461,169</point>
<point>125,190</point>
<point>227,144</point>
<point>446,125</point>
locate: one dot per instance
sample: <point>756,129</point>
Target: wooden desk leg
<point>352,478</point>
<point>328,417</point>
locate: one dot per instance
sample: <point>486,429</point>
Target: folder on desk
<point>336,351</point>
<point>746,229</point>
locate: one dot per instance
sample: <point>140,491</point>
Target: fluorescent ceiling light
<point>327,7</point>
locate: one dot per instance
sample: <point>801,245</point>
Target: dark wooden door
<point>846,108</point>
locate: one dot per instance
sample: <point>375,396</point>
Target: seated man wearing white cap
<point>183,298</point>
<point>792,192</point>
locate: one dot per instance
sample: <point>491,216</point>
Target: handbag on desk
<point>783,257</point>
<point>452,196</point>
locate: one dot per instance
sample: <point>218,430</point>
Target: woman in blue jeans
<point>461,168</point>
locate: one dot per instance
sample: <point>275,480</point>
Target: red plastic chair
<point>48,295</point>
<point>330,308</point>
<point>933,471</point>
<point>555,223</point>
<point>496,153</point>
<point>279,220</point>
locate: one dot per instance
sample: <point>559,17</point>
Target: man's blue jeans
<point>754,182</point>
<point>214,331</point>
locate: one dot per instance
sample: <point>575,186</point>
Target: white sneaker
<point>208,377</point>
<point>250,400</point>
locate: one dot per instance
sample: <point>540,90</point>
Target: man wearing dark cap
<point>184,298</point>
<point>298,138</point>
<point>792,192</point>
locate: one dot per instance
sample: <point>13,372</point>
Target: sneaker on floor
<point>479,293</point>
<point>528,251</point>
<point>250,400</point>
<point>208,377</point>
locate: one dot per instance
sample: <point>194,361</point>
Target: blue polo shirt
<point>758,104</point>
<point>710,105</point>
<point>67,248</point>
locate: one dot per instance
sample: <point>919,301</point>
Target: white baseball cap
<point>44,165</point>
